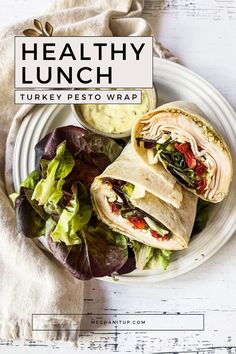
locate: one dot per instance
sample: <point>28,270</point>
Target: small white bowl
<point>153,98</point>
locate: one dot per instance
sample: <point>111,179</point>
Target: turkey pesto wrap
<point>136,202</point>
<point>177,135</point>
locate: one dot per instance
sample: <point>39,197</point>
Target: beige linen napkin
<point>31,281</point>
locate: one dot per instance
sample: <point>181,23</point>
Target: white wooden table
<point>202,33</point>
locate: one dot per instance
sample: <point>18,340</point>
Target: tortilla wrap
<point>185,122</point>
<point>129,168</point>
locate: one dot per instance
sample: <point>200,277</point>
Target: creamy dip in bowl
<point>114,120</point>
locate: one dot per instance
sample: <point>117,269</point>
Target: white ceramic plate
<point>173,82</point>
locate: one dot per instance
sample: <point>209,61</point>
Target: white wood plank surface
<point>202,33</point>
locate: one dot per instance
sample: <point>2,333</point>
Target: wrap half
<point>177,135</point>
<point>134,201</point>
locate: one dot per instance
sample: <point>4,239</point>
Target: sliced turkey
<point>187,146</point>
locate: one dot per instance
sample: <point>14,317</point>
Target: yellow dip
<point>115,118</point>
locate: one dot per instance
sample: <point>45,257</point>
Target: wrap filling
<point>119,200</point>
<point>192,170</point>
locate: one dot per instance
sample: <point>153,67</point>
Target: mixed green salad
<point>54,202</point>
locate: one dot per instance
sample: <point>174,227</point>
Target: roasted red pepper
<point>182,147</point>
<point>201,185</point>
<point>158,236</point>
<point>138,223</point>
<point>193,164</point>
<point>155,234</point>
<point>199,148</point>
<point>200,168</point>
<point>190,159</point>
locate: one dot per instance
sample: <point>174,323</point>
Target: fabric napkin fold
<point>31,280</point>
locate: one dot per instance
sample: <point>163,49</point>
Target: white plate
<point>173,82</point>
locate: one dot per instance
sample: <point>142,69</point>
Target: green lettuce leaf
<point>58,168</point>
<point>51,206</point>
<point>66,165</point>
<point>73,218</point>
<point>30,182</point>
<point>148,257</point>
<point>160,259</point>
<point>142,253</point>
<point>49,226</point>
<point>128,189</point>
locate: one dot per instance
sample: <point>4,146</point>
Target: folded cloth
<point>32,282</point>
